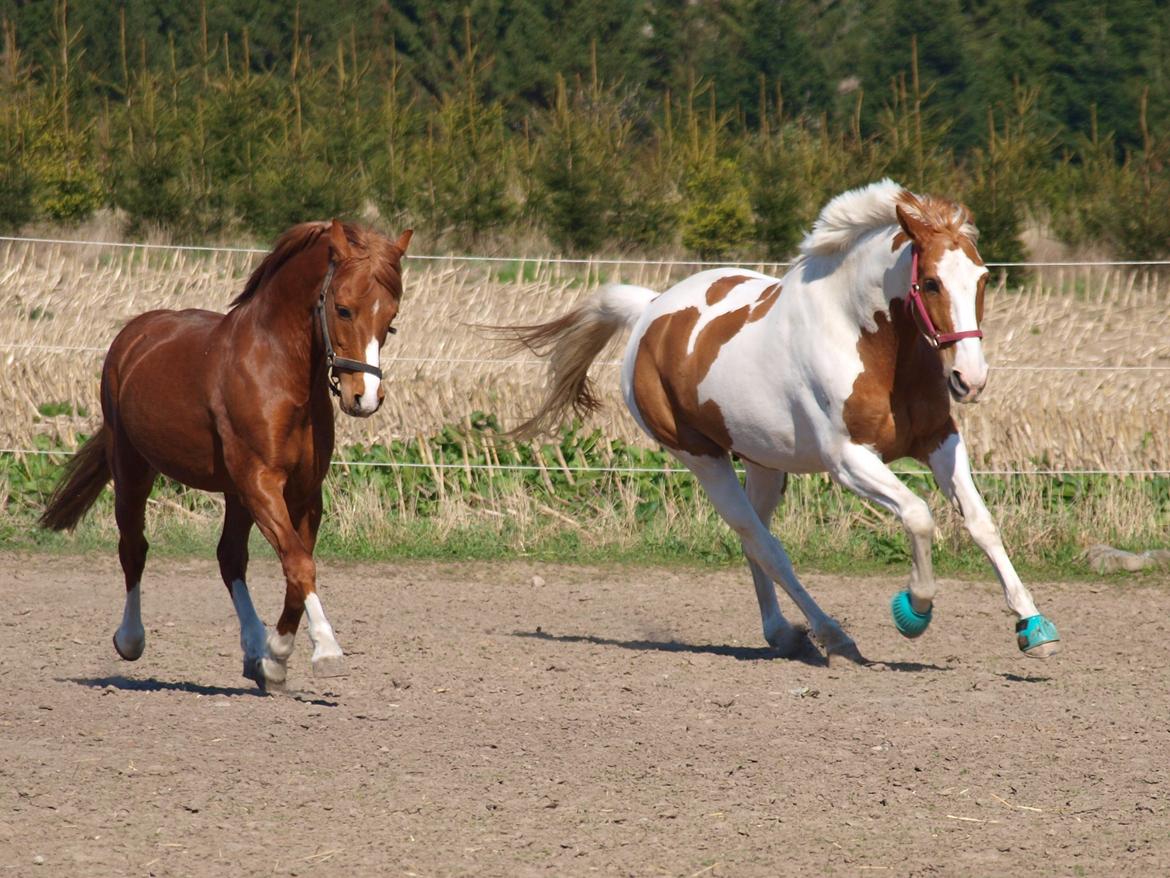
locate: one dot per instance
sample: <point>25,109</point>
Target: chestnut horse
<point>239,403</point>
<point>848,362</point>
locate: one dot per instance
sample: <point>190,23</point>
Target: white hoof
<point>265,672</point>
<point>130,644</point>
<point>1044,650</point>
<point>329,665</point>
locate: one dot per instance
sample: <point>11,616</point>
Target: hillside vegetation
<point>714,128</point>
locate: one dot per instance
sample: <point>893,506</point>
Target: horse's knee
<point>300,571</point>
<point>983,530</point>
<point>918,521</point>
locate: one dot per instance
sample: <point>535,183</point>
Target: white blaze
<point>370,394</point>
<point>961,277</point>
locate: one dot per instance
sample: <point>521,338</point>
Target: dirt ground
<point>612,721</point>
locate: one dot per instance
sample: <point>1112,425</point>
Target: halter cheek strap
<point>917,308</point>
<point>333,362</point>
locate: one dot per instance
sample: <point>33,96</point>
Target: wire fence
<point>560,260</point>
<point>629,470</point>
<point>535,362</point>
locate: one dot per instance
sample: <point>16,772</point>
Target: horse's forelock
<point>941,214</point>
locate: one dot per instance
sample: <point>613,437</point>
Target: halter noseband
<point>333,362</point>
<point>917,308</point>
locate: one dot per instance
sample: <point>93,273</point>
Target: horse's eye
<point>344,313</point>
<point>931,286</point>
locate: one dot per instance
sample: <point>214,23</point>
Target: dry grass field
<point>1080,357</point>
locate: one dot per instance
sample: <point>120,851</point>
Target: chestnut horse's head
<point>358,302</point>
<point>950,280</point>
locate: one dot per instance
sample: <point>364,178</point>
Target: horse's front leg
<point>265,500</point>
<point>861,470</point>
<point>328,659</point>
<point>1036,636</point>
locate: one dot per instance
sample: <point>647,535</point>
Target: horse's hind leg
<point>133,479</point>
<point>765,489</point>
<point>719,480</point>
<point>232,553</point>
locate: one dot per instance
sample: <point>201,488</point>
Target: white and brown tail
<point>571,343</point>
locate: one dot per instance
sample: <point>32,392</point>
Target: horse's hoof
<point>909,622</point>
<point>788,642</point>
<point>265,673</point>
<point>274,671</point>
<point>329,666</point>
<point>132,650</point>
<point>845,655</point>
<point>1037,637</point>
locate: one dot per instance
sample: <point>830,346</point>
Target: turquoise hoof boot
<point>1037,637</point>
<point>908,621</point>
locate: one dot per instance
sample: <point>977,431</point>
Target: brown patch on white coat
<point>667,377</point>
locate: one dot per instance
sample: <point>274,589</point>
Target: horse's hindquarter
<point>723,362</point>
<point>156,393</point>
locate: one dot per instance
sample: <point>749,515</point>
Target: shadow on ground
<point>808,655</point>
<point>153,684</point>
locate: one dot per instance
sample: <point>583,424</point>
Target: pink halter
<point>925,324</point>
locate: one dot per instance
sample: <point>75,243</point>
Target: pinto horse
<point>239,403</point>
<point>848,362</point>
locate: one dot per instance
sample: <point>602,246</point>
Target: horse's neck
<point>284,312</point>
<point>871,275</point>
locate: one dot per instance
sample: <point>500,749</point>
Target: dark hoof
<point>791,642</point>
<point>846,655</point>
<point>254,671</point>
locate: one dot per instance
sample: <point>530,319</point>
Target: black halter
<point>333,362</point>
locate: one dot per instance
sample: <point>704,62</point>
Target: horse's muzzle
<point>960,390</point>
<point>354,407</point>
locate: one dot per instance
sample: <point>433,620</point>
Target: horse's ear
<point>404,240</point>
<point>912,224</point>
<point>338,242</point>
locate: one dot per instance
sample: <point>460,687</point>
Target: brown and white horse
<point>239,404</point>
<point>848,362</point>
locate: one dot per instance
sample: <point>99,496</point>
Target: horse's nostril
<point>958,384</point>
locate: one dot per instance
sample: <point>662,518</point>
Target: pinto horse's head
<point>359,302</point>
<point>951,278</point>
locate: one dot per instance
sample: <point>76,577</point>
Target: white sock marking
<point>320,631</point>
<point>131,635</point>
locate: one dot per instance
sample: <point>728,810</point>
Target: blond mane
<point>852,214</point>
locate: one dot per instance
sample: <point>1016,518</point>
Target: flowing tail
<point>85,477</point>
<point>571,343</point>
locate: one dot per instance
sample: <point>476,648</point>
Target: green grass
<point>409,510</point>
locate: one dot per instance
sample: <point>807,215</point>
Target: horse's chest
<point>899,404</point>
